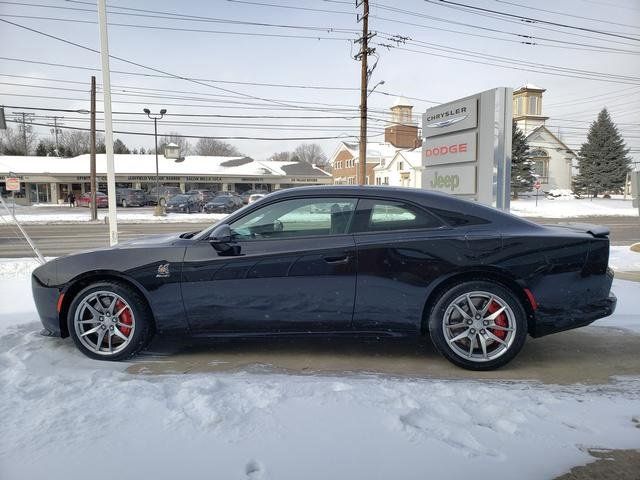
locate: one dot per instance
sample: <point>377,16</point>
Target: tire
<point>163,202</point>
<point>124,203</point>
<point>86,324</point>
<point>486,341</point>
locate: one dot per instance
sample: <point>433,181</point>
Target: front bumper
<point>549,321</point>
<point>46,300</point>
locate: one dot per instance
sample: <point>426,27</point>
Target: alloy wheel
<point>104,323</point>
<point>479,326</point>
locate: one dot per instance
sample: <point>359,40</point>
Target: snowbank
<point>64,415</point>
<point>569,207</point>
<point>621,258</point>
<point>82,215</point>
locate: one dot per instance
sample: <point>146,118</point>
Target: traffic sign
<point>12,184</point>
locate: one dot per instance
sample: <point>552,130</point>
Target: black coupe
<point>336,260</point>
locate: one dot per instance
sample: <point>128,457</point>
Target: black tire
<point>124,203</point>
<point>140,335</point>
<point>163,202</point>
<point>443,310</point>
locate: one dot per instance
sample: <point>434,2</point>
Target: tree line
<point>24,141</point>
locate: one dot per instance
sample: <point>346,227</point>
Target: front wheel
<point>109,321</point>
<point>478,325</point>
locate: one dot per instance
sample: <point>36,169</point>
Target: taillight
<point>532,299</point>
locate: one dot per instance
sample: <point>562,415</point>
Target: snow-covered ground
<point>623,259</point>
<point>569,207</point>
<point>65,416</point>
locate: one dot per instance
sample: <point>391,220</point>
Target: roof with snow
<point>379,150</point>
<point>530,86</point>
<point>401,102</point>
<point>146,165</point>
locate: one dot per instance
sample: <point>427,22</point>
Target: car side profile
<point>338,260</point>
<point>84,200</point>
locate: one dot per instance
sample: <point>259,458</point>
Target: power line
<point>208,137</point>
<point>530,19</point>
<point>565,14</point>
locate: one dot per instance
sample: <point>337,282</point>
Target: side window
<point>296,217</point>
<point>386,215</point>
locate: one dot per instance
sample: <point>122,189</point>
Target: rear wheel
<point>109,321</point>
<point>478,325</point>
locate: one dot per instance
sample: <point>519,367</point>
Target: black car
<point>183,204</point>
<point>162,195</point>
<point>221,204</point>
<point>335,260</point>
<point>131,197</point>
<point>203,195</point>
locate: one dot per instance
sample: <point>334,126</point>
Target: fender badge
<point>163,271</point>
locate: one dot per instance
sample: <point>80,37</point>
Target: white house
<point>404,169</point>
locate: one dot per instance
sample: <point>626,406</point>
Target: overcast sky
<point>428,72</point>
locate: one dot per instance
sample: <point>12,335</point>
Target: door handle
<point>337,260</point>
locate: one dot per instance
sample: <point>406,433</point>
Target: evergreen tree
<point>603,160</point>
<point>522,178</point>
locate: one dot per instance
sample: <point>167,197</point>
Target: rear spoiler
<point>598,231</point>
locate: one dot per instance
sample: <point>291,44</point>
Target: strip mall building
<point>50,179</point>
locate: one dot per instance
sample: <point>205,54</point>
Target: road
<point>61,239</point>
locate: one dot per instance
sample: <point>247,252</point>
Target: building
<point>50,179</point>
<point>401,134</point>
<point>404,169</point>
<point>553,159</point>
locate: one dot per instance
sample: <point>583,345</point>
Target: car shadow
<point>592,355</point>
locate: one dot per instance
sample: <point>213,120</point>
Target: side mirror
<point>221,234</point>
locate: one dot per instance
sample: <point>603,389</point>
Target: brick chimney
<point>402,132</point>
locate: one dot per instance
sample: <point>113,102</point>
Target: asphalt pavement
<point>60,239</point>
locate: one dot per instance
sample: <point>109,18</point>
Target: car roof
<point>427,198</point>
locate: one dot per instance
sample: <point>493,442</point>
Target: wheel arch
<point>76,285</point>
<point>496,275</point>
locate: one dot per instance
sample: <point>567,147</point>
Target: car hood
<point>150,240</point>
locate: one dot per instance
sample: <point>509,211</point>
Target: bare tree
<point>174,137</point>
<point>75,142</point>
<point>281,157</point>
<point>209,146</point>
<point>11,142</point>
<point>311,153</point>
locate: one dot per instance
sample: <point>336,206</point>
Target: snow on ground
<point>622,258</point>
<point>66,416</point>
<point>569,207</point>
<point>44,214</point>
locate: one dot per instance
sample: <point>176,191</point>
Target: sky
<point>447,54</point>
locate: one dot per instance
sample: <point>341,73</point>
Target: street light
<point>381,82</point>
<point>155,117</point>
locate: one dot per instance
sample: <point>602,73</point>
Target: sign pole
<point>108,125</point>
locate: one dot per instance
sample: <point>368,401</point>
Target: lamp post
<point>155,117</point>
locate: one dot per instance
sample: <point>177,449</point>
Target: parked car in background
<point>183,204</point>
<point>255,197</point>
<point>163,195</point>
<point>222,204</point>
<point>84,200</point>
<point>131,197</point>
<point>203,195</point>
<point>245,195</point>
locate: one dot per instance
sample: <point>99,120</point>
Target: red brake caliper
<point>125,317</point>
<point>500,320</point>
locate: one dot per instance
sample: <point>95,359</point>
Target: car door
<point>401,249</point>
<point>295,270</point>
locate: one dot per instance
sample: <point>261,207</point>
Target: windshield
<point>180,198</point>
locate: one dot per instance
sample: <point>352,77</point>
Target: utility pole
<point>92,161</point>
<point>362,55</point>
<point>55,132</point>
<point>24,116</point>
<point>108,125</point>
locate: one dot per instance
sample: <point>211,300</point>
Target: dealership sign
<point>466,147</point>
<point>451,117</point>
<point>454,148</point>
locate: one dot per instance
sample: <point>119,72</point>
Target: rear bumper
<point>556,320</point>
<point>46,300</point>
